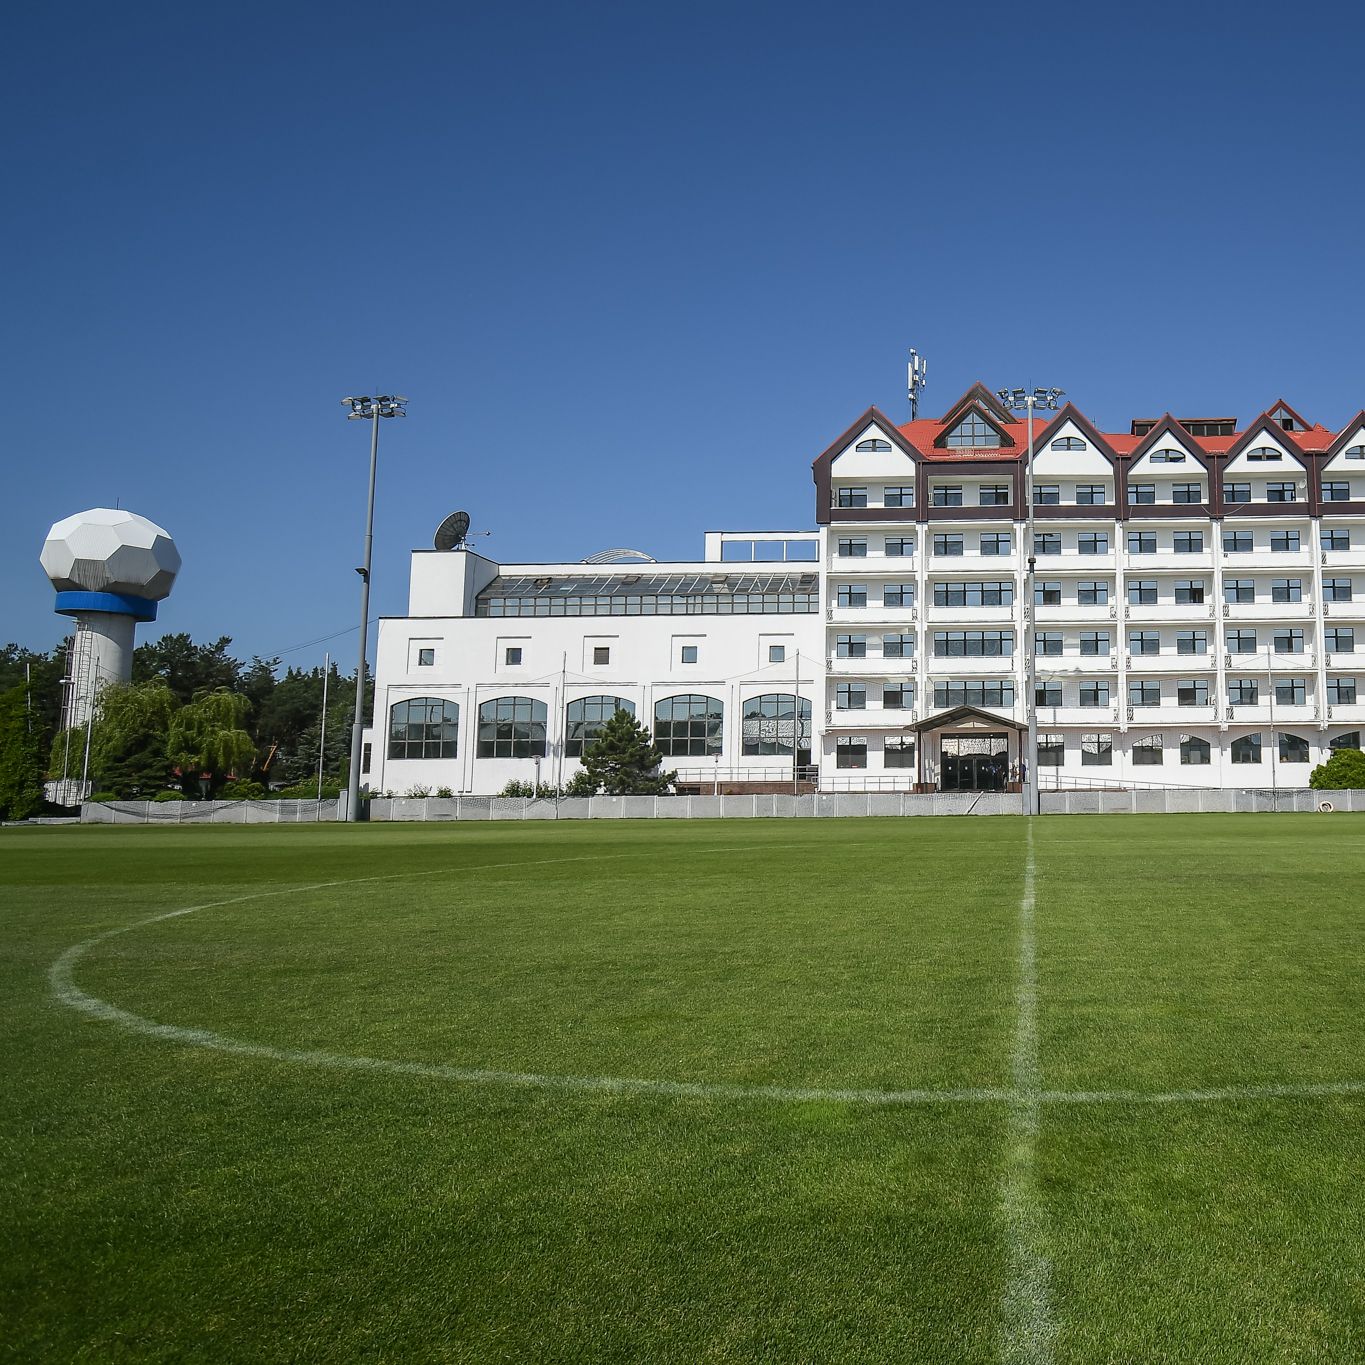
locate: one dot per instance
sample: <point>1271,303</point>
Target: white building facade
<point>1198,619</point>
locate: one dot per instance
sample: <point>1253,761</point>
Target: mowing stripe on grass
<point>1028,1329</point>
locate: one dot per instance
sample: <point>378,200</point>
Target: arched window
<point>1353,452</point>
<point>1068,443</point>
<point>1293,748</point>
<point>973,430</point>
<point>1264,453</point>
<point>1350,740</point>
<point>688,725</point>
<point>512,727</point>
<point>879,446</point>
<point>1167,455</point>
<point>1196,751</point>
<point>772,721</point>
<point>424,727</point>
<point>584,719</point>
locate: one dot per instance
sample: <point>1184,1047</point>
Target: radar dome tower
<point>110,569</point>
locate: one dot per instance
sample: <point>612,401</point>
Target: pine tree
<point>623,760</point>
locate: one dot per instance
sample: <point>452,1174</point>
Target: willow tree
<point>128,739</point>
<point>208,739</point>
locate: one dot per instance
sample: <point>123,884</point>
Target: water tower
<point>110,569</point>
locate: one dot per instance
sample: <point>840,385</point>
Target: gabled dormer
<point>980,396</point>
<point>1264,449</point>
<point>1167,451</point>
<point>1070,446</point>
<point>872,449</point>
<point>974,427</point>
<point>1286,418</point>
<point>1346,455</point>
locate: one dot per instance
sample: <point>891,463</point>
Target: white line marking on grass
<point>1028,1327</point>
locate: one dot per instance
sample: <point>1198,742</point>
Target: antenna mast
<point>915,381</point>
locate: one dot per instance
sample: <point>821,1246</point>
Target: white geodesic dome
<point>104,550</point>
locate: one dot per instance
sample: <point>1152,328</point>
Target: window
<point>1051,750</point>
<point>688,725</point>
<point>1047,543</point>
<point>1349,740</point>
<point>1187,492</point>
<point>1333,491</point>
<point>898,646</point>
<point>1093,543</point>
<point>584,719</point>
<point>995,543</point>
<point>1293,749</point>
<point>424,727</point>
<point>1095,642</point>
<point>947,544</point>
<point>1047,642</point>
<point>850,697</point>
<point>1280,492</point>
<point>1335,540</point>
<point>365,751</point>
<point>984,692</point>
<point>1166,456</point>
<point>601,654</point>
<point>1092,593</point>
<point>1195,752</point>
<point>947,495</point>
<point>1286,590</point>
<point>1244,691</point>
<point>1047,694</point>
<point>1192,692</point>
<point>874,444</point>
<point>1237,542</point>
<point>1090,494</point>
<point>973,430</point>
<point>850,751</point>
<point>898,595</point>
<point>426,658</point>
<point>1291,692</point>
<point>1336,589</point>
<point>994,495</point>
<point>1094,692</point>
<point>851,547</point>
<point>1148,750</point>
<point>850,497</point>
<point>899,496</point>
<point>1241,642</point>
<point>1068,443</point>
<point>688,654</point>
<point>1189,591</point>
<point>1144,642</point>
<point>1144,693</point>
<point>1047,494</point>
<point>973,644</point>
<point>974,594</point>
<point>898,753</point>
<point>1239,590</point>
<point>512,655</point>
<point>851,646</point>
<point>852,595</point>
<point>1189,542</point>
<point>898,547</point>
<point>1284,541</point>
<point>1287,640</point>
<point>1236,492</point>
<point>1047,594</point>
<point>1246,749</point>
<point>512,727</point>
<point>898,696</point>
<point>1341,691</point>
<point>1340,640</point>
<point>1141,494</point>
<point>1263,454</point>
<point>775,722</point>
<point>1191,642</point>
<point>777,654</point>
<point>1142,542</point>
<point>1355,453</point>
<point>1097,750</point>
<point>1141,592</point>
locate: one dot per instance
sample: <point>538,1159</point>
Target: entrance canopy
<point>968,718</point>
<point>969,749</point>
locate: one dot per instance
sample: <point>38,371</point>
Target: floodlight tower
<point>1027,400</point>
<point>366,409</point>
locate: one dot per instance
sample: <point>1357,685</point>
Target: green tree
<point>208,739</point>
<point>1344,771</point>
<point>21,764</point>
<point>129,743</point>
<point>186,668</point>
<point>623,760</point>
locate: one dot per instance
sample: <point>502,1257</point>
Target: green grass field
<point>759,1091</point>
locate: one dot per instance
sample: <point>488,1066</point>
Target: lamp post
<point>370,410</point>
<point>1027,400</point>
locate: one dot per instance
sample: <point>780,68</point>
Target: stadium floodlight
<point>1027,400</point>
<point>366,409</point>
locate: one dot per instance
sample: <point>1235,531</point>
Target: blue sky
<point>634,265</point>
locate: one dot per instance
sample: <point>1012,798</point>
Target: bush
<point>543,792</point>
<point>308,791</point>
<point>104,796</point>
<point>242,790</point>
<point>1344,771</point>
<point>418,791</point>
<point>169,795</point>
<point>582,783</point>
<point>444,793</point>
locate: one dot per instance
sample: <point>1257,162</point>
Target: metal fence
<point>207,812</point>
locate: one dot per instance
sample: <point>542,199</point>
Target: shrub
<point>308,791</point>
<point>104,796</point>
<point>582,783</point>
<point>542,792</point>
<point>242,789</point>
<point>1344,771</point>
<point>445,793</point>
<point>169,795</point>
<point>418,790</point>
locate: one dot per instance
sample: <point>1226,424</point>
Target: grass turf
<point>179,1203</point>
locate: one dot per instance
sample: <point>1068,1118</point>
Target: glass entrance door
<point>974,763</point>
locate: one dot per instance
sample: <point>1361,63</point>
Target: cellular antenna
<point>915,381</point>
<point>452,532</point>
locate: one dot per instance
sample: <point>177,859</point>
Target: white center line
<point>1028,1329</point>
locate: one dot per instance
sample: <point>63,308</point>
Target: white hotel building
<point>1198,616</point>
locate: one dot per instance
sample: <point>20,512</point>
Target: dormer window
<point>879,446</point>
<point>1265,453</point>
<point>1167,457</point>
<point>973,430</point>
<point>1068,443</point>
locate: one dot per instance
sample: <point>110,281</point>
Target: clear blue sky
<point>635,265</point>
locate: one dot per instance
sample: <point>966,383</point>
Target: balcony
<point>1263,712</point>
<point>1170,713</point>
<point>1169,611</point>
<point>970,616</point>
<point>954,665</point>
<point>1268,611</point>
<point>872,664</point>
<point>1300,661</point>
<point>1168,662</point>
<point>1074,611</point>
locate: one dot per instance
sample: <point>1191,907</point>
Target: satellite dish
<point>451,533</point>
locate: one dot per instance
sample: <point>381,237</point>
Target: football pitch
<point>1077,1089</point>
